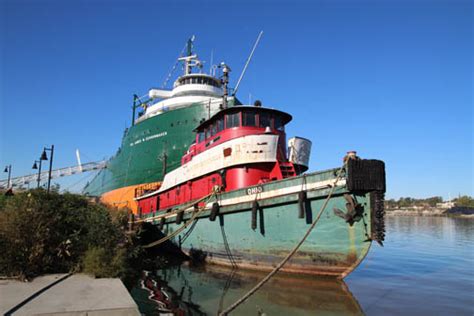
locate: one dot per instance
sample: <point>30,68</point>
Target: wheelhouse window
<point>232,120</point>
<point>249,118</point>
<point>213,129</point>
<point>220,124</point>
<point>201,136</point>
<point>265,120</point>
<point>279,124</point>
<point>208,132</point>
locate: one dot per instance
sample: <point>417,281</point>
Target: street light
<point>37,165</point>
<point>9,170</point>
<point>45,157</point>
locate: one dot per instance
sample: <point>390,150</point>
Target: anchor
<point>354,212</point>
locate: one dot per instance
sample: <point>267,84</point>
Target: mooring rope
<point>175,212</point>
<point>226,246</point>
<point>227,285</point>
<point>290,254</point>
<point>189,231</point>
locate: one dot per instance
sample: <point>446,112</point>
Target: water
<point>425,268</point>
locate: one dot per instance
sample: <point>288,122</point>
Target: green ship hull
<point>148,150</point>
<point>334,248</point>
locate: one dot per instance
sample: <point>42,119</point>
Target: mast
<point>189,49</point>
<point>189,57</point>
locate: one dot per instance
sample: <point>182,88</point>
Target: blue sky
<point>390,79</point>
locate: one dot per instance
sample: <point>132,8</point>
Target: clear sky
<point>390,79</point>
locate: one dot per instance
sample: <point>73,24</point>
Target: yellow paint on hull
<point>124,197</point>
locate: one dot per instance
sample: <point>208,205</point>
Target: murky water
<point>425,268</point>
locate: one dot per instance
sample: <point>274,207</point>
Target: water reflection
<point>425,268</point>
<point>186,290</point>
<point>433,228</point>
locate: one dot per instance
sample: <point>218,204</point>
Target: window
<point>248,118</point>
<point>220,124</point>
<point>265,120</point>
<point>213,129</point>
<point>208,133</point>
<point>232,120</point>
<point>201,137</point>
<point>279,124</point>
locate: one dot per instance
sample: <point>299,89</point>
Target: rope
<point>174,67</point>
<point>288,257</point>
<point>226,288</point>
<point>227,248</point>
<point>186,224</point>
<point>175,212</point>
<point>189,231</point>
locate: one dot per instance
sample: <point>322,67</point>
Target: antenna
<point>247,63</point>
<point>212,60</point>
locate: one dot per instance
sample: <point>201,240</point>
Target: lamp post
<point>45,157</point>
<point>9,170</point>
<point>35,166</point>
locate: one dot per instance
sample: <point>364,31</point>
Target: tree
<point>464,201</point>
<point>50,233</point>
<point>432,201</point>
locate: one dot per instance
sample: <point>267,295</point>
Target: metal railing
<point>58,173</point>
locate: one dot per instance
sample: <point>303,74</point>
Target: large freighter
<point>155,142</point>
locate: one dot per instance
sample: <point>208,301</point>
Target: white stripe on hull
<point>243,150</point>
<point>263,195</point>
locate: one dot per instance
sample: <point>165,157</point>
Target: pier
<point>64,294</point>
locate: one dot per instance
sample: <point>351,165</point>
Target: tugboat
<point>239,147</point>
<point>241,170</point>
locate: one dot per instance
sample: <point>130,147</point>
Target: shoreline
<point>426,213</point>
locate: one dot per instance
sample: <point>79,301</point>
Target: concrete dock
<point>62,294</point>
